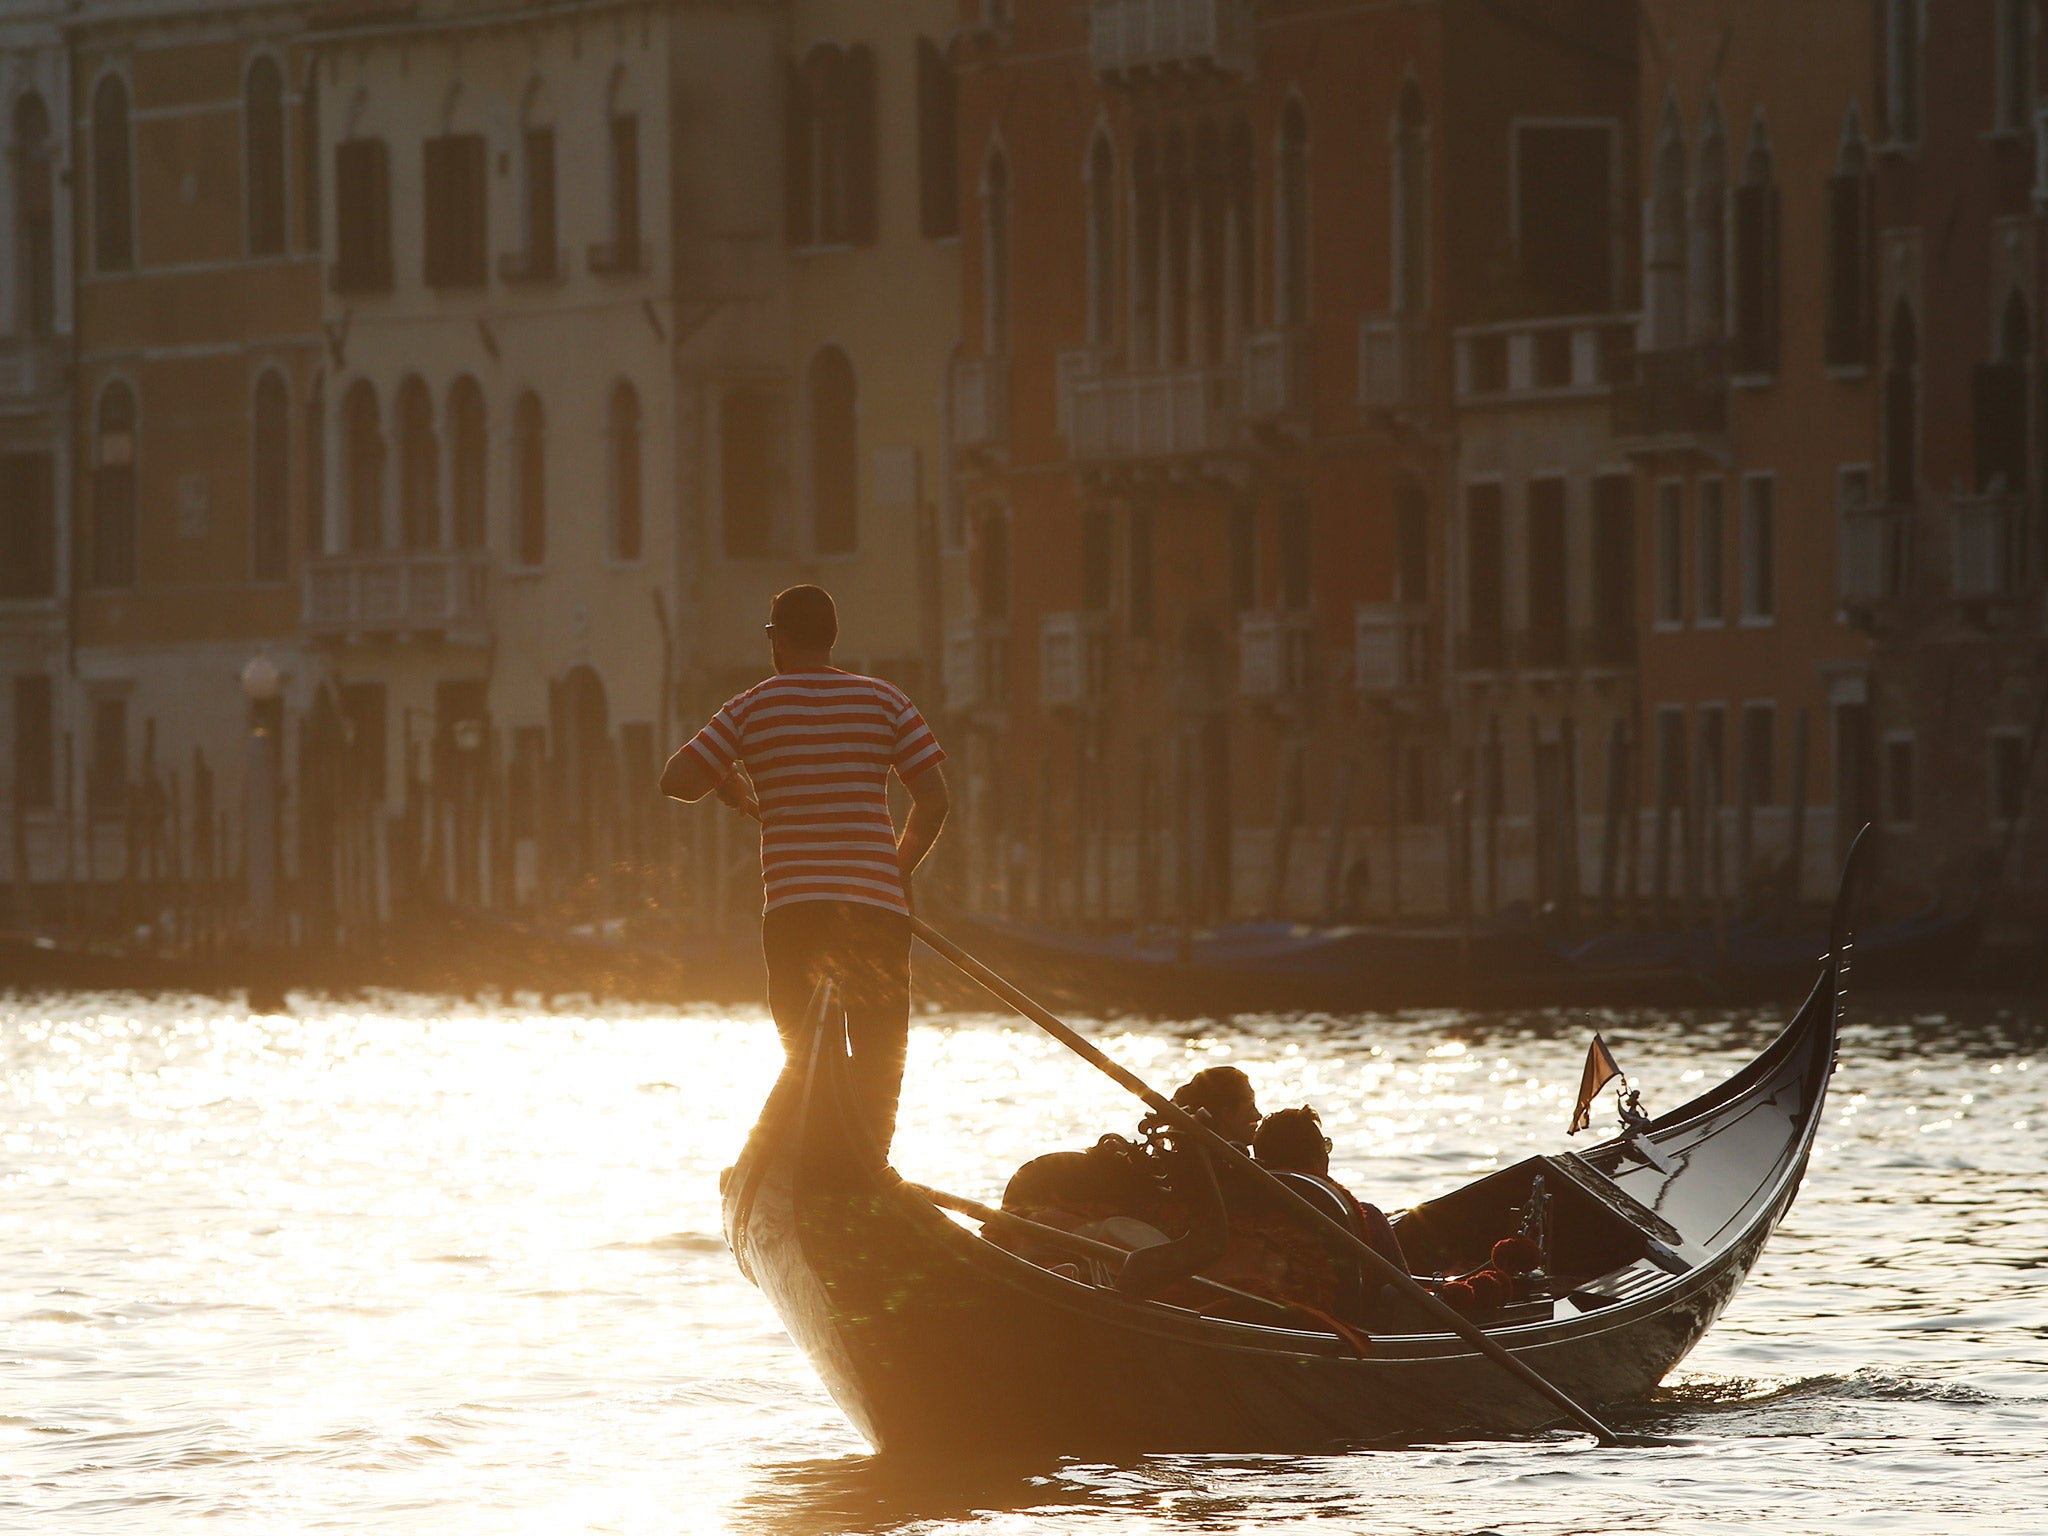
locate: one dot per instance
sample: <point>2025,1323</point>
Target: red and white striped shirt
<point>819,747</point>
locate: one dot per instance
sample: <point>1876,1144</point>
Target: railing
<point>429,592</point>
<point>32,366</point>
<point>1679,392</point>
<point>1273,653</point>
<point>1874,560</point>
<point>1391,648</point>
<point>977,664</point>
<point>1073,658</point>
<point>1579,355</point>
<point>1393,363</point>
<point>1133,37</point>
<point>1987,543</point>
<point>1155,415</point>
<point>1275,375</point>
<point>981,402</point>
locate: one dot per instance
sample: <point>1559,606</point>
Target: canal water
<point>413,1266</point>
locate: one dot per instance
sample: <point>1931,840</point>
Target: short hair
<point>805,615</point>
<point>1214,1089</point>
<point>1293,1139</point>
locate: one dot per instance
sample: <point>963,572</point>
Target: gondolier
<point>809,751</point>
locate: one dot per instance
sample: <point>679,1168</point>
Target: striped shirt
<point>819,747</point>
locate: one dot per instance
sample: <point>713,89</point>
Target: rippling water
<point>419,1267</point>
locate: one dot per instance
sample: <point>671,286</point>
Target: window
<point>113,490</point>
<point>1241,175</point>
<point>992,564</point>
<point>1546,593</point>
<point>1759,548</point>
<point>530,480</point>
<point>835,455</point>
<point>263,157</point>
<point>1900,809</point>
<point>1713,739</point>
<point>1098,559</point>
<point>1297,555</point>
<point>362,216</point>
<point>1209,277</point>
<point>309,157</point>
<point>1756,260</point>
<point>1417,803</point>
<point>1176,197</point>
<point>35,743</point>
<point>1485,575</point>
<point>455,217</point>
<point>1998,405</point>
<point>1410,282</point>
<point>1710,596</point>
<point>363,436</point>
<point>316,471</point>
<point>106,784</point>
<point>1902,409</point>
<point>1145,232</point>
<point>995,260</point>
<point>35,252</point>
<point>113,190</point>
<point>938,155</point>
<point>270,479</point>
<point>1671,765</point>
<point>1102,203</point>
<point>1664,250</point>
<point>1707,302</point>
<point>1142,607</point>
<point>2009,765</point>
<point>1244,557</point>
<point>1670,553</point>
<point>2014,63</point>
<point>832,148</point>
<point>750,460</point>
<point>540,261</point>
<point>28,525</point>
<point>1564,210</point>
<point>1760,754</point>
<point>624,435</point>
<point>1851,260</point>
<point>468,480</point>
<point>366,709</point>
<point>1291,219</point>
<point>419,468</point>
<point>1411,542</point>
<point>1614,568</point>
<point>1902,70</point>
<point>624,251</point>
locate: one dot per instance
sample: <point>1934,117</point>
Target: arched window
<point>1241,171</point>
<point>1756,258</point>
<point>1411,542</point>
<point>363,461</point>
<point>1999,403</point>
<point>625,254</point>
<point>309,158</point>
<point>263,157</point>
<point>113,489</point>
<point>1144,337</point>
<point>624,435</point>
<point>995,260</point>
<point>938,162</point>
<point>113,189</point>
<point>1101,242</point>
<point>469,449</point>
<point>1709,242</point>
<point>1851,267</point>
<point>419,468</point>
<point>1902,69</point>
<point>750,460</point>
<point>1290,256</point>
<point>1410,284</point>
<point>1208,277</point>
<point>835,455</point>
<point>1902,408</point>
<point>538,226</point>
<point>1664,253</point>
<point>35,257</point>
<point>270,479</point>
<point>1176,249</point>
<point>316,471</point>
<point>530,480</point>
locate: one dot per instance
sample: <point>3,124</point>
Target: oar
<point>1188,1125</point>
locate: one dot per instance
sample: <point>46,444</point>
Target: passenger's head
<point>803,626</point>
<point>1293,1139</point>
<point>1226,1093</point>
<point>1095,1182</point>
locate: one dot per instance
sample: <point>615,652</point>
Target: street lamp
<point>261,685</point>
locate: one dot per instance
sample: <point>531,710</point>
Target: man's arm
<point>930,800</point>
<point>689,778</point>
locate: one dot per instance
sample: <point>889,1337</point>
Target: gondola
<point>936,1341</point>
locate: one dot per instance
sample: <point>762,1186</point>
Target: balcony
<point>981,403</point>
<point>1274,652</point>
<point>1073,659</point>
<point>1275,384</point>
<point>1393,364</point>
<point>33,367</point>
<point>1678,393</point>
<point>1136,40</point>
<point>399,596</point>
<point>619,258</point>
<point>1875,555</point>
<point>1179,412</point>
<point>1391,648</point>
<point>1987,545</point>
<point>1579,357</point>
<point>977,665</point>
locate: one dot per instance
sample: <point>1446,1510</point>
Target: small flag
<point>1601,1069</point>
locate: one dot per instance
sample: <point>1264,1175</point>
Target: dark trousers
<point>867,951</point>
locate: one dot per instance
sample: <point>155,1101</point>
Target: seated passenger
<point>1226,1093</point>
<point>1292,1141</point>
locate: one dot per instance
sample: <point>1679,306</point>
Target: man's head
<point>803,626</point>
<point>1293,1139</point>
<point>1226,1093</point>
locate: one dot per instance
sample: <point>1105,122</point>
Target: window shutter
<point>626,190</point>
<point>436,214</point>
<point>1756,279</point>
<point>797,160</point>
<point>1848,330</point>
<point>860,146</point>
<point>540,202</point>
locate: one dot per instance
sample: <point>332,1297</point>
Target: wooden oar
<point>1188,1125</point>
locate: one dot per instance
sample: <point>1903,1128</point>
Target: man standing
<point>809,751</point>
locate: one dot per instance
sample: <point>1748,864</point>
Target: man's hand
<point>737,791</point>
<point>930,800</point>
